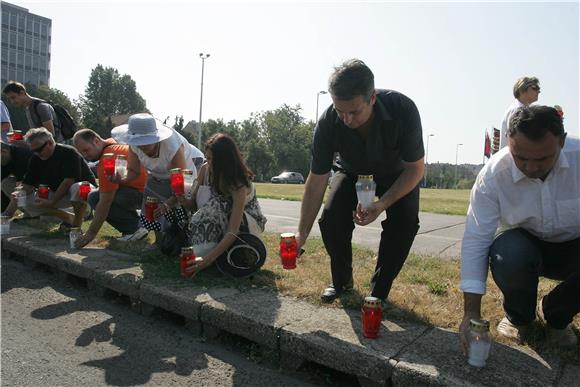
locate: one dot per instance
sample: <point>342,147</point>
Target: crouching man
<point>62,169</point>
<point>531,189</point>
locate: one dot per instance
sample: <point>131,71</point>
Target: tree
<point>108,94</point>
<point>18,116</point>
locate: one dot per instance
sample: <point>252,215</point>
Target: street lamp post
<point>426,160</point>
<point>203,58</point>
<point>318,95</point>
<point>456,156</point>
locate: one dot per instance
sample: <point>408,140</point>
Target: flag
<point>487,146</point>
<point>495,145</point>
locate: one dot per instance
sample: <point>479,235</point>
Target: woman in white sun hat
<point>159,149</point>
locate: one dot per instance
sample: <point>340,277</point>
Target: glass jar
<point>121,166</point>
<point>176,181</point>
<point>187,257</point>
<point>108,164</point>
<point>84,190</point>
<point>74,235</point>
<point>20,195</point>
<point>188,181</point>
<point>372,315</point>
<point>5,225</point>
<point>288,250</point>
<point>479,343</point>
<point>151,205</point>
<point>365,190</point>
<point>43,191</point>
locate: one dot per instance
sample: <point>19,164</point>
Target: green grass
<point>438,201</point>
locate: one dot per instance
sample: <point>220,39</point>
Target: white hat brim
<point>121,135</point>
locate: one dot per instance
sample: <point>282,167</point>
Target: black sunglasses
<point>39,149</point>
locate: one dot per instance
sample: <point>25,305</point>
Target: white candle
<point>478,352</point>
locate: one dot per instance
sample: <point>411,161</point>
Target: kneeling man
<point>531,190</point>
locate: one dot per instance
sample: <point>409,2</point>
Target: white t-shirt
<point>159,166</point>
<point>506,121</point>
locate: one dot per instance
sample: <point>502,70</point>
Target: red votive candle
<point>43,191</point>
<point>288,250</point>
<point>84,190</point>
<point>187,257</point>
<point>176,181</point>
<point>150,206</point>
<point>372,315</point>
<point>108,164</point>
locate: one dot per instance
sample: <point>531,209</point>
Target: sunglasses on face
<point>40,148</point>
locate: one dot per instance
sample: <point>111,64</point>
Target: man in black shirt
<point>375,132</point>
<point>14,166</point>
<point>60,167</point>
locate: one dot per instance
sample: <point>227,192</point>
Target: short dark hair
<point>350,79</point>
<point>14,87</point>
<point>535,122</point>
<point>87,135</point>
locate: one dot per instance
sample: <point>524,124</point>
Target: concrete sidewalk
<point>294,331</point>
<point>438,236</point>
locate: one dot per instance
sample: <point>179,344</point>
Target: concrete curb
<point>405,353</point>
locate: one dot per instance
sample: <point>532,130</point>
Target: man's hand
<point>195,267</point>
<point>85,239</point>
<point>464,332</point>
<point>363,216</point>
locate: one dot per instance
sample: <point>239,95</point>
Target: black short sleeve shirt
<point>395,136</point>
<point>64,163</point>
<point>18,165</point>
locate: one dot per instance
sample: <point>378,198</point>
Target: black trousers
<point>399,230</point>
<point>518,259</point>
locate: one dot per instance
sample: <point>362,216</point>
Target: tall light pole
<point>456,156</point>
<point>203,58</point>
<point>426,160</point>
<point>318,95</point>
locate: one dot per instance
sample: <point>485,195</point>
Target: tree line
<point>271,141</point>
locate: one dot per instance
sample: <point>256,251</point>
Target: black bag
<point>173,240</point>
<point>66,124</point>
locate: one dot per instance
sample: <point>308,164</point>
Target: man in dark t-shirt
<point>62,169</point>
<point>14,166</point>
<point>375,132</point>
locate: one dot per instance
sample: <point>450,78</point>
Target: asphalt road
<point>439,235</point>
<point>58,334</point>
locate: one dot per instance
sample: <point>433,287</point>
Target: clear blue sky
<point>458,60</point>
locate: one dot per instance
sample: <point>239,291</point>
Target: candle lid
<point>479,325</point>
<point>121,157</point>
<point>187,250</point>
<point>365,177</point>
<point>372,302</point>
<point>175,170</point>
<point>85,183</point>
<point>108,155</point>
<point>152,199</point>
<point>187,171</point>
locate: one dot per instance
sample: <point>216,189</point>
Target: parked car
<point>288,178</point>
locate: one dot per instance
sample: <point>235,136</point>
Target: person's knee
<point>93,199</point>
<point>513,255</point>
<point>332,220</point>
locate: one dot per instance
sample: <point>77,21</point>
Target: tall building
<point>25,46</point>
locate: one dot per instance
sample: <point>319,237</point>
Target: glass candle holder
<point>365,190</point>
<point>84,190</point>
<point>188,181</point>
<point>43,191</point>
<point>479,343</point>
<point>288,250</point>
<point>151,205</point>
<point>372,315</point>
<point>176,181</point>
<point>74,235</point>
<point>20,194</point>
<point>186,258</point>
<point>108,164</point>
<point>5,225</point>
<point>121,166</point>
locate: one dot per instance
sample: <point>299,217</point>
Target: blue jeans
<point>518,259</point>
<point>123,212</point>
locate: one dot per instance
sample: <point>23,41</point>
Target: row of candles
<point>43,192</point>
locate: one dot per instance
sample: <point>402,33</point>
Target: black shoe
<point>331,293</point>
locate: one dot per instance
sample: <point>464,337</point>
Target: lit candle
<point>109,164</point>
<point>288,250</point>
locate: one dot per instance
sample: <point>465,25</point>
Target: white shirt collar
<point>518,175</point>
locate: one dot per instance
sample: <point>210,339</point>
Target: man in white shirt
<point>526,92</point>
<point>531,190</point>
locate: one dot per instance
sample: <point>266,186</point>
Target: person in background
<point>224,197</point>
<point>158,149</point>
<point>60,167</point>
<point>14,165</point>
<point>38,113</point>
<point>5,121</point>
<point>526,91</point>
<point>115,203</point>
<point>530,193</point>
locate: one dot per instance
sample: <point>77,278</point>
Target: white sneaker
<point>141,233</point>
